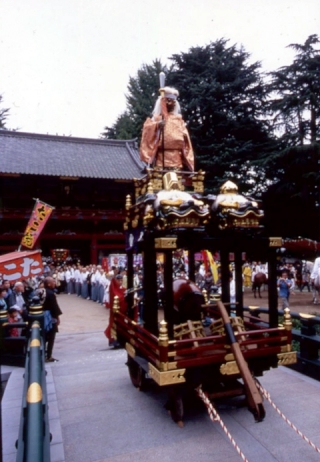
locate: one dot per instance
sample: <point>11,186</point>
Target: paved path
<point>98,416</point>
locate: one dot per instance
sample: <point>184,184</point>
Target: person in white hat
<point>165,140</point>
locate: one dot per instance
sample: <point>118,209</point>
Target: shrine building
<point>86,180</point>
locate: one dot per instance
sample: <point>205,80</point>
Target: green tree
<point>223,101</point>
<point>293,200</point>
<point>122,129</point>
<point>3,116</point>
<point>142,92</point>
<point>296,102</point>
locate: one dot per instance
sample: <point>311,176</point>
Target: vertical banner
<point>213,266</point>
<point>209,263</point>
<point>39,217</point>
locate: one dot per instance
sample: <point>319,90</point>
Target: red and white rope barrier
<point>215,417</point>
<point>267,396</point>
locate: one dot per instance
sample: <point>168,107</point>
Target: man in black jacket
<point>51,305</point>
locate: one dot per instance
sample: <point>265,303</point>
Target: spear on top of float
<point>162,80</point>
<point>164,110</point>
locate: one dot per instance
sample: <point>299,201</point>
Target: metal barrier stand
<point>33,443</point>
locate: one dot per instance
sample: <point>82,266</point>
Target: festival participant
<point>57,281</point>
<point>97,277</point>
<point>106,297</point>
<point>62,280</point>
<point>116,289</point>
<point>72,280</point>
<point>246,271</point>
<point>103,282</point>
<point>68,280</point>
<point>77,281</point>
<point>51,305</point>
<point>84,282</point>
<point>94,284</point>
<point>165,140</point>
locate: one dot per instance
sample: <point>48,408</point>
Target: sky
<point>65,64</point>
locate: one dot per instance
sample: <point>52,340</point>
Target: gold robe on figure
<point>178,150</point>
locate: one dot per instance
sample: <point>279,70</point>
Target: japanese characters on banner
<point>17,266</point>
<point>40,214</point>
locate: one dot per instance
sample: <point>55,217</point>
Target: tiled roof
<point>36,154</point>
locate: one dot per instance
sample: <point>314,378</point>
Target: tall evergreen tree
<point>122,129</point>
<point>143,90</point>
<point>293,200</point>
<point>296,102</point>
<point>223,98</point>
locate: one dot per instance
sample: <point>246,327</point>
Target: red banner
<point>40,215</point>
<point>16,266</point>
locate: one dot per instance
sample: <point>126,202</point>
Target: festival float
<point>188,340</point>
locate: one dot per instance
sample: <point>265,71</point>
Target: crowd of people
<point>16,299</point>
<point>93,283</point>
<point>90,282</point>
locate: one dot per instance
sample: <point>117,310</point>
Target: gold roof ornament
<point>229,188</point>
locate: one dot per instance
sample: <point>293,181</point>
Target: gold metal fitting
<point>163,339</point>
<point>287,321</point>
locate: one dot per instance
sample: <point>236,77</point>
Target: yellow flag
<point>213,266</point>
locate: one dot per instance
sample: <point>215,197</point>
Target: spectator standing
<point>305,279</point>
<point>3,303</point>
<point>6,285</point>
<point>13,316</point>
<point>17,298</point>
<point>284,284</point>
